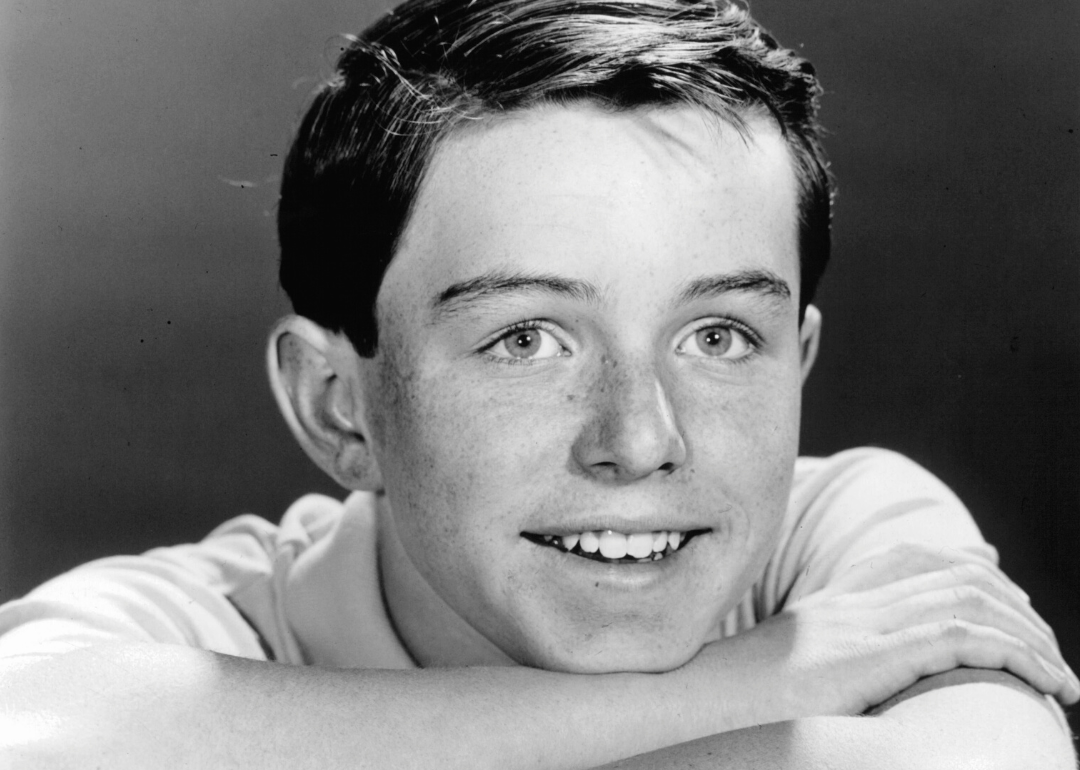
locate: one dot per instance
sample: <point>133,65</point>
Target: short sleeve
<point>176,595</point>
<point>846,507</point>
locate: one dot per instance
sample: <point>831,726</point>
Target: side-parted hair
<point>363,147</point>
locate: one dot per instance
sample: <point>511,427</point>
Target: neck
<point>427,626</point>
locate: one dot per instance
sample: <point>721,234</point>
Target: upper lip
<point>631,518</point>
<point>624,526</point>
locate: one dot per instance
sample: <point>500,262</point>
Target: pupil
<point>716,341</point>
<point>524,342</point>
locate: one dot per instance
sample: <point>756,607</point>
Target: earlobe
<point>316,383</point>
<point>809,339</point>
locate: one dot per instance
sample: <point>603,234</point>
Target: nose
<point>631,432</point>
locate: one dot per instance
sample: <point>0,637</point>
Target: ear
<point>315,376</point>
<point>809,338</point>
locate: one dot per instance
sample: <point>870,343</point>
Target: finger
<point>974,605</point>
<point>949,644</point>
<point>981,576</point>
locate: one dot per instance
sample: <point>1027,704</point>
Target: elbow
<point>37,732</point>
<point>1049,749</point>
<point>1059,756</point>
<point>980,726</point>
<point>104,706</point>
<point>19,751</point>
<point>1033,740</point>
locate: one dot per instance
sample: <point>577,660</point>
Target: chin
<point>606,653</point>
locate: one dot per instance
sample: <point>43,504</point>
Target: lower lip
<point>629,575</point>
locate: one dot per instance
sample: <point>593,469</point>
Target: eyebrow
<point>762,282</point>
<point>460,296</point>
<point>475,291</point>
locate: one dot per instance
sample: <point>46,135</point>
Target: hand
<point>877,629</point>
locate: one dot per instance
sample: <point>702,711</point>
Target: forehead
<point>593,194</point>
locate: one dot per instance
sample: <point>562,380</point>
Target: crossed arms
<point>940,651</point>
<point>785,694</point>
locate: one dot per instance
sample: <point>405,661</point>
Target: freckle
<point>570,396</point>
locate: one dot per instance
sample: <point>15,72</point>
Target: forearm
<point>165,706</point>
<point>983,726</point>
<point>162,706</point>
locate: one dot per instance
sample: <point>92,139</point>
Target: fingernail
<point>1058,673</point>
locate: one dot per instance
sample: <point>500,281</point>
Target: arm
<point>131,705</point>
<point>137,706</point>
<point>128,702</point>
<point>985,725</point>
<point>959,718</point>
<point>982,718</point>
<point>166,706</point>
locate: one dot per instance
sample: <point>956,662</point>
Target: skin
<point>617,419</point>
<point>634,409</point>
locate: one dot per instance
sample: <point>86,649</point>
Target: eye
<point>718,341</point>
<point>526,342</point>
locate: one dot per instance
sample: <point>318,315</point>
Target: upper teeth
<point>616,545</point>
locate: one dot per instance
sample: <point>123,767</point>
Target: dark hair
<point>361,151</point>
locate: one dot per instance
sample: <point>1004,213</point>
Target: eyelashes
<point>718,338</point>
<point>724,339</point>
<point>525,342</point>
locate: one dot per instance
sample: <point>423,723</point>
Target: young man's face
<point>591,326</point>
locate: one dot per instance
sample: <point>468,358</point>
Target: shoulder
<point>307,521</point>
<point>866,469</point>
<point>986,710</point>
<point>869,490</point>
<point>850,505</point>
<point>181,594</point>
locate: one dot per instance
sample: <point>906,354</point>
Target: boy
<point>553,265</point>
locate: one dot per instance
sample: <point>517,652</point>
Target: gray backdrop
<point>140,145</point>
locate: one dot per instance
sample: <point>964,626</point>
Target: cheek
<point>746,424</point>
<point>745,441</point>
<point>420,447</point>
<point>463,457</point>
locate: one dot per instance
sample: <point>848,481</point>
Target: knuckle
<point>967,595</point>
<point>971,639</point>
<point>955,630</point>
<point>1014,646</point>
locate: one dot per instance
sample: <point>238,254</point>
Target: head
<point>431,66</point>
<point>553,264</point>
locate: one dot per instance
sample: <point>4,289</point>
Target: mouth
<point>613,547</point>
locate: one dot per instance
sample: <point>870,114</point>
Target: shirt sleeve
<point>176,595</point>
<point>846,507</point>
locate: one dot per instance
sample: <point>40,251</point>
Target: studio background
<point>140,147</point>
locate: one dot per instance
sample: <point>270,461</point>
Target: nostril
<point>667,467</point>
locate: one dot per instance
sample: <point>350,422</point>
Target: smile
<point>616,547</point>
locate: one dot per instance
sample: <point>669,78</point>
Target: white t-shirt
<point>307,591</point>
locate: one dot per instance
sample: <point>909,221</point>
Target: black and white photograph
<point>539,384</point>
